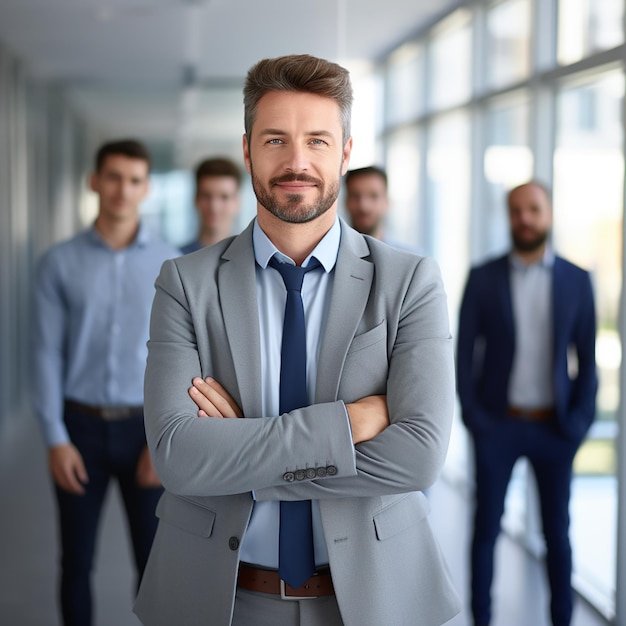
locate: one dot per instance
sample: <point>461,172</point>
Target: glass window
<point>508,161</point>
<point>405,84</point>
<point>588,26</point>
<point>508,42</point>
<point>368,88</point>
<point>403,173</point>
<point>448,216</point>
<point>449,193</point>
<point>588,187</point>
<point>450,61</point>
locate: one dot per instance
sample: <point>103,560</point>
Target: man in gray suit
<point>379,380</point>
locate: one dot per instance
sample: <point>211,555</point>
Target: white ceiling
<point>172,70</point>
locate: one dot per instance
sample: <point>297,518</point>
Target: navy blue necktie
<point>296,561</point>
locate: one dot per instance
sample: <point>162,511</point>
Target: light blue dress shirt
<point>531,384</point>
<point>260,545</point>
<point>90,324</point>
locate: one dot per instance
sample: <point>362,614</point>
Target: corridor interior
<point>28,550</point>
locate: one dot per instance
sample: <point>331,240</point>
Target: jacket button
<point>300,474</point>
<point>321,472</point>
<point>233,543</point>
<point>331,470</point>
<point>311,473</point>
<point>289,477</point>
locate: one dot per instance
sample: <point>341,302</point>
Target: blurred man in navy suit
<point>527,384</point>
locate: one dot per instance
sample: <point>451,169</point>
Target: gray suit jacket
<point>386,333</point>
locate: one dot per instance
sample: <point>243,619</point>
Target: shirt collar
<point>546,261</point>
<point>141,239</point>
<point>325,251</point>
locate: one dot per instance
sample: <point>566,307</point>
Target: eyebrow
<point>312,133</point>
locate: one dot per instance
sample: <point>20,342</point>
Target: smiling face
<point>296,156</point>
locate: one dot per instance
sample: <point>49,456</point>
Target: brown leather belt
<point>107,413</point>
<point>267,581</point>
<point>532,415</point>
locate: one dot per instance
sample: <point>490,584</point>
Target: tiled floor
<point>520,596</point>
<point>28,550</point>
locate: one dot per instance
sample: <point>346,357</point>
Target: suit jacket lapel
<point>237,288</point>
<point>350,292</point>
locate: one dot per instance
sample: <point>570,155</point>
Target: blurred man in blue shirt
<point>218,181</point>
<point>92,305</point>
<point>367,204</point>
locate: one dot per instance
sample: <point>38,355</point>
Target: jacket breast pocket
<point>185,515</point>
<point>366,366</point>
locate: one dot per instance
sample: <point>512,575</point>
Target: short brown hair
<point>298,72</point>
<point>130,148</point>
<point>370,170</point>
<point>218,166</point>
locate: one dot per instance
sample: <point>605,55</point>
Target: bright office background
<point>486,97</point>
<point>458,116</point>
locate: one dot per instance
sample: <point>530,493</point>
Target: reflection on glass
<point>448,166</point>
<point>403,172</point>
<point>588,184</point>
<point>508,42</point>
<point>405,84</point>
<point>367,88</point>
<point>508,162</point>
<point>588,26</point>
<point>588,181</point>
<point>448,215</point>
<point>451,61</point>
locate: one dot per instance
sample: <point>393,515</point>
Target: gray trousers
<point>262,609</point>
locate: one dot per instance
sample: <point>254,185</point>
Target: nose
<point>296,158</point>
<point>126,188</point>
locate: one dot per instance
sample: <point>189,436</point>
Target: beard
<point>293,209</point>
<point>367,226</point>
<point>529,244</point>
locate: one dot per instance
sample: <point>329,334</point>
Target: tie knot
<point>293,275</point>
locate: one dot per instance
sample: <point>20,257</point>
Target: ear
<point>246,154</point>
<point>347,151</point>
<point>93,182</point>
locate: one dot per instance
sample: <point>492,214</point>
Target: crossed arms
<point>368,416</point>
<point>380,444</point>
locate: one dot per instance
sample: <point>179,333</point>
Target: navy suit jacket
<point>486,344</point>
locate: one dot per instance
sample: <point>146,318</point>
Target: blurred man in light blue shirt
<point>367,203</point>
<point>217,199</point>
<point>92,306</point>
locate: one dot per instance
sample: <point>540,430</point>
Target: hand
<point>67,468</point>
<point>212,399</point>
<point>368,417</point>
<point>146,475</point>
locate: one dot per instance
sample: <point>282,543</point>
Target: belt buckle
<point>108,414</point>
<point>284,596</point>
<point>113,413</point>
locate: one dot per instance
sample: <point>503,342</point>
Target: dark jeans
<point>551,457</point>
<point>110,449</point>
